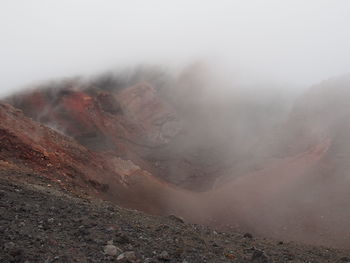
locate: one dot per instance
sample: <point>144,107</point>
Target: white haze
<point>293,41</point>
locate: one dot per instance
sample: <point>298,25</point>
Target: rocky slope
<point>29,147</point>
<point>44,224</point>
<point>157,150</point>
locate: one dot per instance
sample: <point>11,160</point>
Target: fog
<point>296,42</point>
<point>219,80</point>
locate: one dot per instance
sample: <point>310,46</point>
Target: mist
<point>235,124</point>
<point>294,42</point>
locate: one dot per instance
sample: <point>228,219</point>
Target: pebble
<point>128,256</point>
<point>164,255</point>
<point>111,250</point>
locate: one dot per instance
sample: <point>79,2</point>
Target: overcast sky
<point>300,42</point>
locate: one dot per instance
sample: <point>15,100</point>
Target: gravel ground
<point>43,224</point>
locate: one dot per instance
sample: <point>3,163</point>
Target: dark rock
<point>260,257</point>
<point>176,219</point>
<point>121,239</point>
<point>248,235</point>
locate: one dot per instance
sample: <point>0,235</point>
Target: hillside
<point>137,143</point>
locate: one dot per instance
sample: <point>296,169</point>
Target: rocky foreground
<point>40,223</point>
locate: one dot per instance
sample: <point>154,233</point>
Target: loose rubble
<point>61,228</point>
